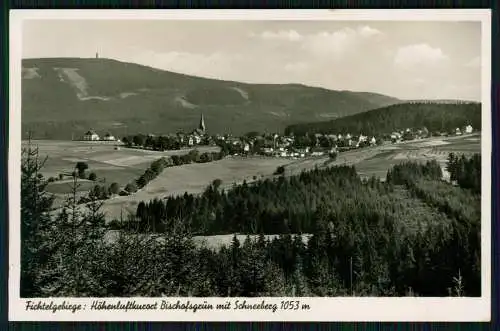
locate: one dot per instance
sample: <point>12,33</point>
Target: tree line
<point>412,235</point>
<point>383,121</point>
<point>465,171</point>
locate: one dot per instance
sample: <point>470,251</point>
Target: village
<point>270,144</point>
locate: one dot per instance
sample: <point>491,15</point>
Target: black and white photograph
<point>253,158</point>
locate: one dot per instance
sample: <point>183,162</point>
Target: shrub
<point>92,176</point>
<point>81,167</point>
<point>115,225</point>
<point>131,188</point>
<point>114,188</point>
<point>217,183</point>
<point>280,170</point>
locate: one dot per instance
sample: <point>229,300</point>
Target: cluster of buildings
<point>410,134</point>
<point>323,144</point>
<point>91,135</point>
<point>287,146</point>
<point>196,137</point>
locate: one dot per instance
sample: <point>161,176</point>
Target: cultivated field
<point>377,160</point>
<point>438,149</point>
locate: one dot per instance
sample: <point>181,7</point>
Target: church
<point>197,135</point>
<point>201,130</point>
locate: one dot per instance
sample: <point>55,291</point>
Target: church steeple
<point>202,123</point>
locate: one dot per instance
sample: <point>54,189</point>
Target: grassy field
<point>212,242</point>
<point>377,160</point>
<point>109,164</point>
<point>64,186</point>
<point>435,148</point>
<point>104,160</point>
<point>194,178</point>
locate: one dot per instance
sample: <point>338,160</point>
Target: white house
<point>458,132</point>
<point>468,129</point>
<point>267,150</point>
<point>246,147</point>
<point>109,137</point>
<point>396,137</point>
<point>317,152</point>
<point>90,136</point>
<point>373,141</point>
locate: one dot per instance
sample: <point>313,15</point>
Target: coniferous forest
<point>433,116</point>
<point>339,235</point>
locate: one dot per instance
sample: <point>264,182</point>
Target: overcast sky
<point>408,60</point>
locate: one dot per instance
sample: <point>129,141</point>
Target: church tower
<point>202,123</point>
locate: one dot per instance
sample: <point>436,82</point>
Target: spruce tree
<point>35,220</point>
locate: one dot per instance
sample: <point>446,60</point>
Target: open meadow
<point>429,149</point>
<point>375,161</point>
<point>214,242</point>
<point>110,161</point>
<point>194,178</point>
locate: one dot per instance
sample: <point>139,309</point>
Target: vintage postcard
<point>250,165</point>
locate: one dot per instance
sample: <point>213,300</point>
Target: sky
<point>403,59</point>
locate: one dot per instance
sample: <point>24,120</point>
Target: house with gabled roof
<point>109,137</point>
<point>91,135</point>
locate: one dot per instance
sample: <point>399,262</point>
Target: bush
<point>51,179</point>
<point>81,167</point>
<point>114,188</point>
<point>92,176</point>
<point>61,176</point>
<point>131,188</point>
<point>217,183</point>
<point>123,193</point>
<point>280,170</point>
<point>98,192</point>
<point>115,225</point>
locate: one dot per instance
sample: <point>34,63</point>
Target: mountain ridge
<point>65,96</point>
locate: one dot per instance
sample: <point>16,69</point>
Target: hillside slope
<point>65,96</point>
<point>433,116</point>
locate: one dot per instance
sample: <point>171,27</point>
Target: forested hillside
<point>435,117</point>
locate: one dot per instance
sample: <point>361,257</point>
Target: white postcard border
<point>321,309</point>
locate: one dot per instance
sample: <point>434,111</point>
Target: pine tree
<point>35,220</point>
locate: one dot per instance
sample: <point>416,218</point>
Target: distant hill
<point>440,116</point>
<point>65,96</point>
